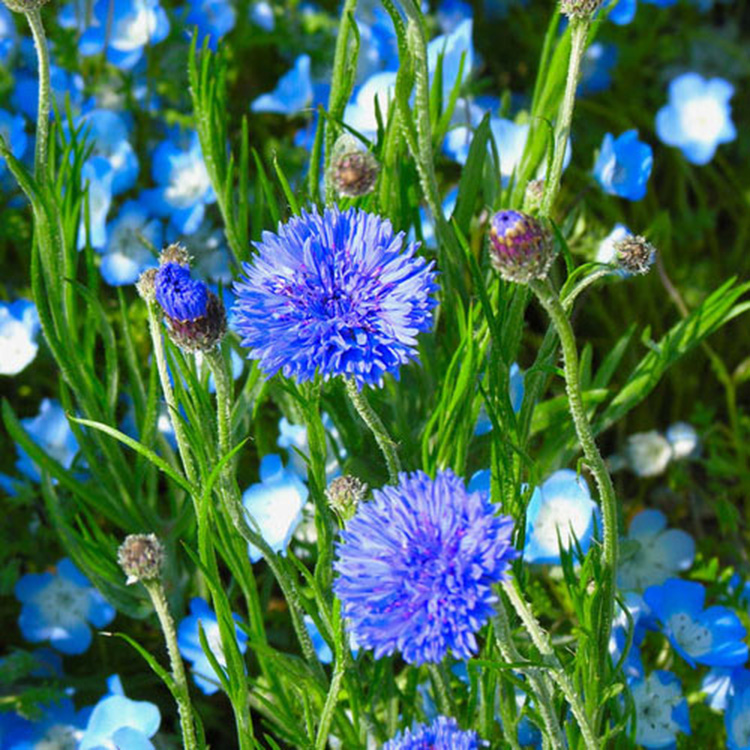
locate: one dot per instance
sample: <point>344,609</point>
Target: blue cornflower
<point>121,27</point>
<point>416,566</point>
<point>98,174</point>
<point>661,710</point>
<point>125,256</point>
<point>651,553</point>
<point>452,47</point>
<point>59,726</point>
<point>214,18</point>
<point>118,721</point>
<point>598,61</point>
<point>189,643</point>
<point>562,506</point>
<point>59,607</point>
<point>334,294</point>
<point>185,187</point>
<point>19,328</point>
<point>624,165</point>
<point>292,94</point>
<point>13,132</point>
<point>361,113</point>
<point>443,734</point>
<point>737,716</point>
<point>180,296</point>
<point>275,504</point>
<point>712,636</point>
<point>698,117</point>
<point>51,431</point>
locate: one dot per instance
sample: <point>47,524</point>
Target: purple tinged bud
<point>181,297</point>
<point>521,247</point>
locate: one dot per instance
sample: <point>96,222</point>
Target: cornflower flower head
<point>416,567</point>
<point>443,734</point>
<point>334,293</point>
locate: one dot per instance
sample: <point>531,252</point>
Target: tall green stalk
<point>34,19</point>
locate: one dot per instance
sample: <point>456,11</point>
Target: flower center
<point>702,119</point>
<point>740,728</point>
<point>693,637</point>
<point>188,184</point>
<point>557,516</point>
<point>654,703</point>
<point>62,603</point>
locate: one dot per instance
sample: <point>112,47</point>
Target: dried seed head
<point>345,494</point>
<point>174,253</point>
<point>141,556</point>
<point>353,170</point>
<point>579,8</point>
<point>635,254</point>
<point>521,247</point>
<point>146,285</point>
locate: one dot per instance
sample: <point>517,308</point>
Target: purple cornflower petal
<point>180,296</point>
<point>416,567</point>
<point>443,734</point>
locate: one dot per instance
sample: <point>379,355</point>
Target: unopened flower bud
<point>345,494</point>
<point>532,198</point>
<point>579,8</point>
<point>203,333</point>
<point>521,247</point>
<point>174,253</point>
<point>353,170</point>
<point>141,556</point>
<point>635,254</point>
<point>146,285</point>
<point>24,6</point>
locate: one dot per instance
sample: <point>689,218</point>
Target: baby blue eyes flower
<point>214,18</point>
<point>59,607</point>
<point>651,553</point>
<point>697,117</point>
<point>684,440</point>
<point>335,294</point>
<point>360,114</point>
<point>562,506</point>
<point>661,710</point>
<point>623,12</point>
<point>737,716</point>
<point>97,172</point>
<point>416,566</point>
<point>60,726</point>
<point>648,454</point>
<point>712,636</point>
<point>293,439</point>
<point>275,504</point>
<point>261,14</point>
<point>292,94</point>
<point>624,165</point>
<point>51,431</point>
<point>721,683</point>
<point>598,61</point>
<point>13,132</point>
<point>452,47</point>
<point>125,256</point>
<point>443,734</point>
<point>180,296</point>
<point>189,643</point>
<point>19,328</point>
<point>322,649</point>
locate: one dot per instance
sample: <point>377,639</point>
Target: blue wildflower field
<point>375,374</point>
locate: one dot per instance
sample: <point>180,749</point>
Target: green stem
<point>578,33</point>
<point>181,692</point>
<point>443,696</point>
<point>34,19</point>
<point>339,670</point>
<point>551,303</point>
<point>373,421</point>
<point>166,386</point>
<point>540,640</point>
<point>224,398</point>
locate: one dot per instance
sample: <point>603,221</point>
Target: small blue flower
<point>8,35</point>
<point>275,504</point>
<point>322,649</point>
<point>596,65</point>
<point>606,252</point>
<point>119,722</point>
<point>562,506</point>
<point>443,734</point>
<point>684,440</point>
<point>51,431</point>
<point>125,256</point>
<point>623,12</point>
<point>13,132</point>
<point>59,607</point>
<point>98,174</point>
<point>737,716</point>
<point>292,94</point>
<point>510,139</point>
<point>451,13</point>
<point>335,294</point>
<point>712,636</point>
<point>185,187</point>
<point>19,328</point>
<point>293,439</point>
<point>261,14</point>
<point>720,684</point>
<point>516,390</point>
<point>378,42</point>
<point>452,47</point>
<point>180,296</point>
<point>624,165</point>
<point>697,117</point>
<point>60,726</point>
<point>361,113</point>
<point>123,27</point>
<point>189,643</point>
<point>661,710</point>
<point>466,118</point>
<point>214,18</point>
<point>416,566</point>
<point>622,626</point>
<point>25,97</point>
<point>651,553</point>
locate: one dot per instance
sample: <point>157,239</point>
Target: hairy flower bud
<point>579,8</point>
<point>141,556</point>
<point>521,247</point>
<point>24,6</point>
<point>353,170</point>
<point>204,332</point>
<point>345,494</point>
<point>532,198</point>
<point>174,253</point>
<point>146,285</point>
<point>635,254</point>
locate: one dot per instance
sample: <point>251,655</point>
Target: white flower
<point>648,453</point>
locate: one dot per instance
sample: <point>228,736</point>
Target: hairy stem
<point>34,19</point>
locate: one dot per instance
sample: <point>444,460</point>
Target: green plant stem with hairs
<point>549,299</point>
<point>34,19</point>
<point>181,691</point>
<point>579,29</point>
